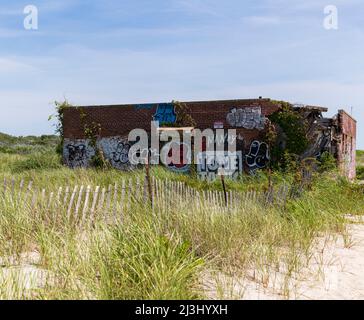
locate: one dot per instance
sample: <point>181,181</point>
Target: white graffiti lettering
<point>248,118</point>
<point>211,162</point>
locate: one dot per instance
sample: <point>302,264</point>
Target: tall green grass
<point>360,164</point>
<point>27,145</point>
<point>160,254</point>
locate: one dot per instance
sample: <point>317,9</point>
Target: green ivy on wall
<point>183,113</point>
<point>290,126</point>
<point>60,107</point>
<point>92,131</point>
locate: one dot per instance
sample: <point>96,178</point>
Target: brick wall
<point>347,144</point>
<point>119,120</point>
<point>242,115</point>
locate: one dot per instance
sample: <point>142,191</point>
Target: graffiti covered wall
<point>210,163</point>
<point>258,156</point>
<point>165,113</point>
<point>248,117</point>
<point>77,153</point>
<point>116,151</point>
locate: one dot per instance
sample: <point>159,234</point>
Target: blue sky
<point>106,52</point>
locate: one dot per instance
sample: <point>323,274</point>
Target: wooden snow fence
<point>85,203</point>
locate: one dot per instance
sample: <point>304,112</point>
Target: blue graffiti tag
<point>165,113</point>
<point>144,106</point>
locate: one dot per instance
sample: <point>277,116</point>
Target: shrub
<point>39,160</point>
<point>327,162</point>
<point>142,263</point>
<point>294,126</point>
<point>360,172</point>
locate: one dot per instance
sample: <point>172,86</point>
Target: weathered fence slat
<point>115,200</point>
<point>69,210</point>
<point>78,204</point>
<point>94,203</point>
<point>4,189</point>
<point>21,186</point>
<point>59,194</point>
<point>29,189</point>
<point>66,194</point>
<point>102,200</point>
<point>108,202</point>
<point>12,188</point>
<point>50,201</point>
<point>85,205</point>
<point>139,190</point>
<point>129,197</point>
<point>122,201</point>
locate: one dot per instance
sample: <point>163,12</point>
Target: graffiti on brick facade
<point>226,140</point>
<point>258,156</point>
<point>209,164</point>
<point>165,113</point>
<point>116,151</point>
<point>323,134</point>
<point>176,156</point>
<point>247,118</point>
<point>121,154</point>
<point>219,125</point>
<point>77,153</point>
<point>144,106</point>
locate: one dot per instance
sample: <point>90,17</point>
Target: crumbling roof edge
<point>295,106</point>
<point>156,103</point>
<point>349,115</point>
<point>308,107</point>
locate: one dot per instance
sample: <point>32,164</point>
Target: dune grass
<point>27,145</point>
<point>360,164</point>
<point>159,254</point>
<point>360,157</point>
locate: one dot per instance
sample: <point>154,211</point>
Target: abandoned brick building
<point>335,135</point>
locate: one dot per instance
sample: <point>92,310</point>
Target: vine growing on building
<point>60,107</point>
<point>291,135</point>
<point>92,131</point>
<point>183,112</point>
<point>183,115</point>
